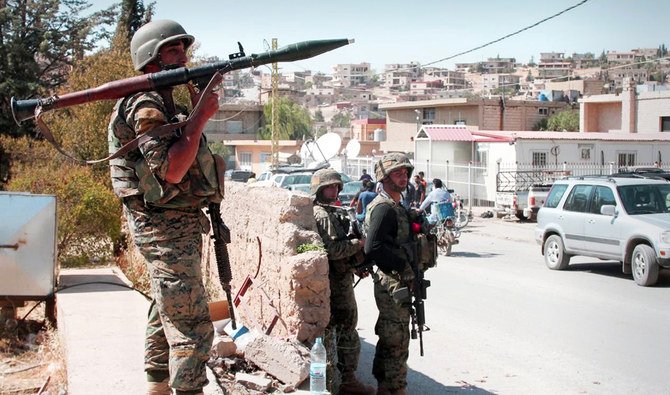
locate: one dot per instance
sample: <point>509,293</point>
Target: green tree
<point>133,15</point>
<point>39,41</point>
<point>566,120</point>
<point>318,116</point>
<point>341,120</point>
<point>294,121</point>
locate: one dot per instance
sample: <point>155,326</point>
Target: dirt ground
<point>32,359</point>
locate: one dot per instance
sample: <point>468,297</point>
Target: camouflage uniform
<point>167,222</point>
<point>344,254</point>
<point>392,327</point>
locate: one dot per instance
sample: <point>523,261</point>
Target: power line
<point>509,35</point>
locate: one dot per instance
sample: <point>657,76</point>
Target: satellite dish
<point>326,147</point>
<point>306,150</point>
<point>353,148</point>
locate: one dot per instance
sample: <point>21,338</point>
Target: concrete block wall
<point>271,223</point>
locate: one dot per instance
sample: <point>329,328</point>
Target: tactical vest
<point>404,235</point>
<point>132,176</point>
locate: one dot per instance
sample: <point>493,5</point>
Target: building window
<point>429,115</point>
<point>245,160</point>
<point>626,158</point>
<point>539,158</point>
<point>459,122</point>
<point>665,124</point>
<point>265,157</point>
<point>585,151</point>
<point>543,111</point>
<point>234,127</point>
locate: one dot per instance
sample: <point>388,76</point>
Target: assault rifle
<point>416,292</point>
<point>26,109</point>
<point>221,236</point>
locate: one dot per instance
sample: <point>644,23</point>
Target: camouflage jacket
<point>343,253</point>
<point>142,171</point>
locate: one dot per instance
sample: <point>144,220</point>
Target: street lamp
<point>418,118</point>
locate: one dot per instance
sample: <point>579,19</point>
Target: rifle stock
<point>25,109</point>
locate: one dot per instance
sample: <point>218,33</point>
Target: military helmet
<point>148,40</point>
<point>390,162</point>
<point>325,177</point>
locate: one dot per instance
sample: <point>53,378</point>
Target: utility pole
<point>275,112</point>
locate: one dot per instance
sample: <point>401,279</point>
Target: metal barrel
<point>25,109</point>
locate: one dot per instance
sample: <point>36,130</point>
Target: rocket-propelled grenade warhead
<point>298,51</point>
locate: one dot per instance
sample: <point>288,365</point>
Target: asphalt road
<point>503,323</point>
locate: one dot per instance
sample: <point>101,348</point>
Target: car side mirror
<point>608,209</point>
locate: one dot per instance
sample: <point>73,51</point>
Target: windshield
<point>352,187</point>
<point>645,199</point>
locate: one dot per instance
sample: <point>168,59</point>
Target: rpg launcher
<point>25,109</point>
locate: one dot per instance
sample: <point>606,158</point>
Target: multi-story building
<point>499,65</point>
<point>491,82</point>
<point>399,76</point>
<point>584,60</point>
<point>553,64</point>
<point>235,122</point>
<point>349,74</point>
<point>620,57</point>
<point>451,80</point>
<point>647,53</point>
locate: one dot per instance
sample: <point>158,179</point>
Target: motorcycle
<point>446,229</point>
<point>461,216</point>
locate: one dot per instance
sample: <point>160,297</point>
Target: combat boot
<point>381,390</point>
<point>159,388</point>
<point>352,386</point>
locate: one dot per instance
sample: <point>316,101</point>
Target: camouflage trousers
<point>179,332</point>
<point>341,329</point>
<point>390,363</point>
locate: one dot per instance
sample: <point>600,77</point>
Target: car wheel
<point>644,265</point>
<point>554,253</point>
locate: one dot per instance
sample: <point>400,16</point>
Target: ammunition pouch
<point>426,250</point>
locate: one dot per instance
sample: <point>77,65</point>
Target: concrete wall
<point>651,107</point>
<point>267,225</point>
<point>600,117</point>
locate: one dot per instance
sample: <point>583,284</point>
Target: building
<point>628,112</point>
<point>499,65</point>
<point>235,122</point>
<point>403,119</point>
<point>399,76</point>
<point>351,74</point>
<point>491,82</point>
<point>553,65</point>
<point>365,129</point>
<point>451,80</point>
<point>621,57</point>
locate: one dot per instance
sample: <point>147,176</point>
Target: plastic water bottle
<point>317,368</point>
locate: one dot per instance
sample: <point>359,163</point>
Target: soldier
<point>164,183</point>
<point>344,254</point>
<point>388,228</point>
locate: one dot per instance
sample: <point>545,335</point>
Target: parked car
<point>284,177</point>
<point>350,190</point>
<point>626,219</point>
<point>237,175</point>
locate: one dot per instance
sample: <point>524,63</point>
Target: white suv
<point>623,218</point>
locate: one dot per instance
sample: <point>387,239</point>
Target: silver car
<point>625,218</point>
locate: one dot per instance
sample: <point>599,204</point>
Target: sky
<point>394,31</point>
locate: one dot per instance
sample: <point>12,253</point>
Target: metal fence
<point>475,183</point>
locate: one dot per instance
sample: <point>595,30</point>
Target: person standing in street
<point>388,230</point>
<point>365,176</point>
<point>344,254</point>
<point>164,184</point>
<point>419,191</point>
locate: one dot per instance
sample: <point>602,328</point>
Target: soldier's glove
<point>407,275</point>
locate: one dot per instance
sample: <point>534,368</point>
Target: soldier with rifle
<point>399,287</point>
<point>164,185</point>
<point>345,253</point>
